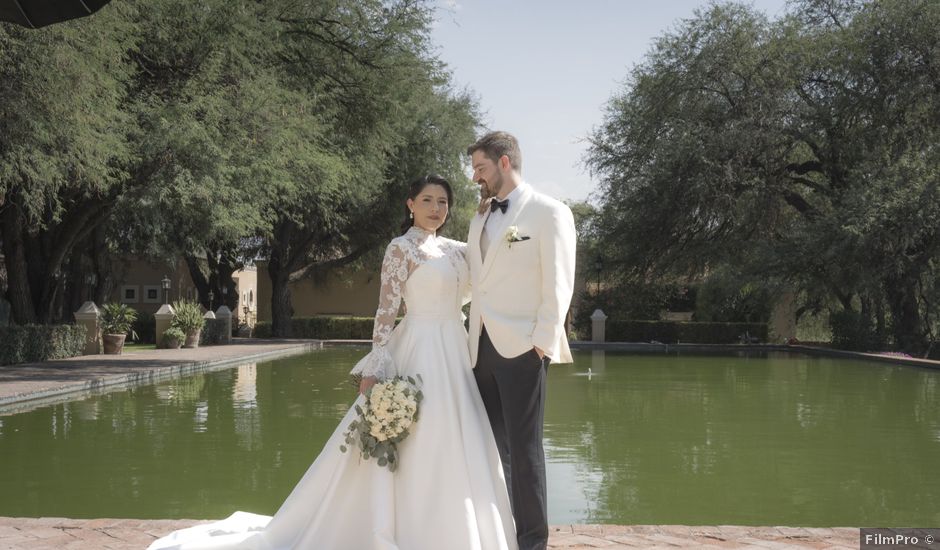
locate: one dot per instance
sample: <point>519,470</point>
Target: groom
<point>521,251</point>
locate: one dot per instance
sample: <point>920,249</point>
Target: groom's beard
<point>488,190</point>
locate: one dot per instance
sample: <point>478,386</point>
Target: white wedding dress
<point>449,491</point>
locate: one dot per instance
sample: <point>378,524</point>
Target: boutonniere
<point>513,236</point>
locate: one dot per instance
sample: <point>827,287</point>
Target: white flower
<point>513,236</point>
<point>389,411</point>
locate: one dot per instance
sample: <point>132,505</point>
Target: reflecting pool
<point>631,439</point>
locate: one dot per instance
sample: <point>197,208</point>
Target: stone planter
<point>192,339</point>
<point>171,343</point>
<point>113,343</point>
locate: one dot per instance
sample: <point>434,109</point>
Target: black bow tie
<point>499,205</point>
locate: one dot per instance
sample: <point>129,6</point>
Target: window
<point>129,294</point>
<point>153,294</point>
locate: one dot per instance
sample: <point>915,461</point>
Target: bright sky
<point>544,69</point>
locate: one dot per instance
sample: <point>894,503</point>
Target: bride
<point>449,490</point>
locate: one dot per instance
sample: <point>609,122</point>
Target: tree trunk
<point>902,300</point>
<point>203,285</point>
<point>19,293</point>
<point>279,270</point>
<point>76,289</point>
<point>281,309</point>
<point>35,260</point>
<point>226,266</point>
<point>221,265</point>
<point>881,328</point>
<point>101,261</point>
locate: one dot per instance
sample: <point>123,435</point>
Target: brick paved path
<point>128,534</point>
<point>33,384</point>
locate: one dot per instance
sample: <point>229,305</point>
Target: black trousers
<point>513,391</point>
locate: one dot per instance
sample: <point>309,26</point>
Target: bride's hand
<point>367,382</point>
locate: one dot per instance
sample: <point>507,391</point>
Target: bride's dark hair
<point>415,189</point>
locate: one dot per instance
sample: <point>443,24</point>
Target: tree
<point>209,104</point>
<point>222,132</point>
<point>63,149</point>
<point>801,150</point>
<point>390,117</point>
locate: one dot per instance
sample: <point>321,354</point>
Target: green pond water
<point>641,439</point>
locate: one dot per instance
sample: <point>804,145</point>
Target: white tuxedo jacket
<point>522,290</point>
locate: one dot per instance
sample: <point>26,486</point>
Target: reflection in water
<point>87,410</point>
<point>247,415</point>
<point>598,361</point>
<point>573,483</point>
<point>201,417</point>
<point>166,392</point>
<point>645,439</point>
<point>754,441</point>
<point>246,388</point>
<point>60,424</point>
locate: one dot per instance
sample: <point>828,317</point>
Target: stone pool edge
<point>121,534</point>
<point>93,385</point>
<point>734,348</point>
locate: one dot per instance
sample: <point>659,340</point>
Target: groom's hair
<point>496,144</point>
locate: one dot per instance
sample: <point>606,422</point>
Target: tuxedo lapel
<point>497,240</point>
<point>473,242</point>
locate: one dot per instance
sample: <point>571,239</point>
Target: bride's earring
<point>411,215</point>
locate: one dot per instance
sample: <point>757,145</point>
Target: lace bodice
<point>438,289</point>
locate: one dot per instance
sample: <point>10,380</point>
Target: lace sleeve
<point>395,271</point>
<point>457,251</point>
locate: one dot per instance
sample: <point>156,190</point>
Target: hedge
<point>324,328</point>
<point>212,332</point>
<point>671,332</point>
<point>145,327</point>
<point>36,343</point>
<point>667,332</point>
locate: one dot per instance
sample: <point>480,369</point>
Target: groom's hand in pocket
<point>542,357</point>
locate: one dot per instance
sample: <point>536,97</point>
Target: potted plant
<point>189,320</point>
<point>116,321</point>
<point>173,338</point>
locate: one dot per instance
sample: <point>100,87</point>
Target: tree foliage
<point>801,150</point>
<point>222,132</point>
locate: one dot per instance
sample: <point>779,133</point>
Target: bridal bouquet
<point>391,408</point>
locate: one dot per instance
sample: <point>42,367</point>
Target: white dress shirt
<point>496,220</point>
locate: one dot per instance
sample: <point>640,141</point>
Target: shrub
<point>728,299</point>
<point>188,316</point>
<point>174,334</point>
<point>262,329</point>
<point>36,343</point>
<point>212,332</point>
<point>145,327</point>
<point>628,300</point>
<point>671,332</point>
<point>117,318</point>
<point>325,328</point>
<point>853,331</point>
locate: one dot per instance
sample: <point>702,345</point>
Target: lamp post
<point>166,289</point>
<point>90,280</point>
